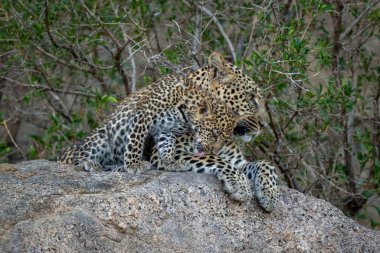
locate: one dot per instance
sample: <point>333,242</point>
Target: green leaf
<point>324,7</point>
<point>367,193</point>
<point>111,99</point>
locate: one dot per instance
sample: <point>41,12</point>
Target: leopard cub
<point>164,110</point>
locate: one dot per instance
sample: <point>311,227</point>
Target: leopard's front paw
<point>137,167</point>
<point>239,187</point>
<point>91,166</point>
<point>178,165</point>
<point>267,197</point>
<point>264,179</point>
<point>266,191</point>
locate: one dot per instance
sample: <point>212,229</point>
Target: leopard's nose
<point>199,149</point>
<point>200,146</point>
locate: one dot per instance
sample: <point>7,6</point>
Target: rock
<point>51,207</point>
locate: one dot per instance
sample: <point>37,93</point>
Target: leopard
<point>167,108</point>
<point>228,82</point>
<point>220,79</point>
<point>243,96</point>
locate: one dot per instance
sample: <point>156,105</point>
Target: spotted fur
<point>244,98</point>
<point>166,109</point>
<point>237,175</point>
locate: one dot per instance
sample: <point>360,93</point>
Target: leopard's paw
<point>264,178</point>
<point>137,167</point>
<point>177,165</point>
<point>91,166</point>
<point>238,186</point>
<point>266,189</point>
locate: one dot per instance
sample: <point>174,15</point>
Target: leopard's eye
<point>253,101</point>
<point>215,136</point>
<point>203,110</point>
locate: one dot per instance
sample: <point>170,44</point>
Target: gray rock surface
<point>48,207</point>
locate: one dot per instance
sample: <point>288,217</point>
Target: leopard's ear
<point>205,109</point>
<point>219,70</point>
<point>216,60</point>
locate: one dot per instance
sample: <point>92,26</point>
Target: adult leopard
<point>243,96</point>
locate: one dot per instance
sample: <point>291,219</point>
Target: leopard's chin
<point>199,153</point>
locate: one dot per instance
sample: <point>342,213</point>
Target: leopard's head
<point>212,122</point>
<point>237,90</point>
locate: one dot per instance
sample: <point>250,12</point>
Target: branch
<point>65,63</point>
<point>195,45</point>
<point>290,78</point>
<point>357,20</point>
<point>290,181</point>
<point>221,29</point>
<point>133,66</point>
<point>129,88</point>
<point>120,68</point>
<point>271,122</point>
<point>159,49</point>
<point>70,47</point>
<point>61,109</point>
<point>158,58</point>
<point>92,68</point>
<point>43,87</point>
<point>4,123</point>
<point>249,48</point>
<point>112,37</point>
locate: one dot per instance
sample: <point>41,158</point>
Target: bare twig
<point>196,42</point>
<point>129,88</point>
<point>290,78</point>
<point>271,121</point>
<point>102,24</point>
<point>307,27</point>
<point>61,108</point>
<point>55,58</point>
<point>357,20</point>
<point>43,87</point>
<point>133,67</point>
<point>248,47</point>
<point>4,123</point>
<point>158,58</point>
<point>265,8</point>
<point>221,29</point>
<point>120,68</point>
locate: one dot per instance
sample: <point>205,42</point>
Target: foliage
<point>64,62</point>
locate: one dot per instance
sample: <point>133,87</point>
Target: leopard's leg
<point>135,135</point>
<point>231,153</point>
<point>89,154</point>
<point>233,180</point>
<point>261,174</point>
<point>264,178</point>
<point>166,146</point>
<point>88,165</point>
